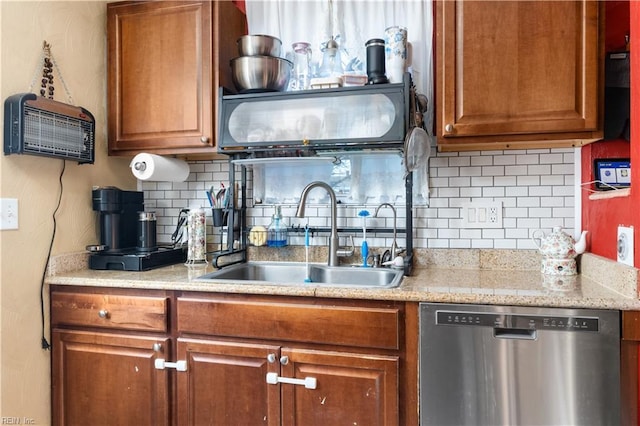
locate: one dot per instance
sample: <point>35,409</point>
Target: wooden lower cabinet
<point>630,371</point>
<point>219,359</point>
<point>108,379</point>
<point>225,384</point>
<point>352,389</point>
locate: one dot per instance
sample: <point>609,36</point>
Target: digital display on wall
<point>612,173</point>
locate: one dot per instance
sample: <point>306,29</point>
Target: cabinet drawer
<point>110,311</point>
<point>347,325</point>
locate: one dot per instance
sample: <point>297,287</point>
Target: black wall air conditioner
<point>39,126</point>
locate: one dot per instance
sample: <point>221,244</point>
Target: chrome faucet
<point>333,239</point>
<point>394,245</point>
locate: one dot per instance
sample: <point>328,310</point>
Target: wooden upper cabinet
<point>518,74</point>
<point>166,60</point>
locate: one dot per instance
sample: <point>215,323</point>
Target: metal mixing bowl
<point>250,45</point>
<point>260,73</point>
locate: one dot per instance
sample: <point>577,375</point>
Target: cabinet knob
<point>448,128</point>
<point>157,347</point>
<point>204,139</point>
<point>284,360</point>
<point>103,313</point>
<point>271,358</point>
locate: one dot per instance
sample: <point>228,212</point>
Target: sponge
<point>258,236</point>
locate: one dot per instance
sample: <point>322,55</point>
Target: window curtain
<point>353,22</point>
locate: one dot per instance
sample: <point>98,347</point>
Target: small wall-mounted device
<point>39,126</point>
<point>612,173</point>
<point>625,245</point>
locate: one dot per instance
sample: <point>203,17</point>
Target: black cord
<point>45,343</point>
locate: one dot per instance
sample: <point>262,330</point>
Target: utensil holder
<point>219,217</point>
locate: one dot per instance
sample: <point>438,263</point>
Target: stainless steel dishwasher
<point>505,365</point>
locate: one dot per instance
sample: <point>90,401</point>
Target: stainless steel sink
<point>295,273</point>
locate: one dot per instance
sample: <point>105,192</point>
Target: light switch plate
<point>482,214</point>
<point>625,245</point>
<point>8,213</point>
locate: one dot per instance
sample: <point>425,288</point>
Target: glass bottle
<point>277,231</point>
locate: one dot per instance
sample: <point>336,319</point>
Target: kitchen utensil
<point>260,73</point>
<point>417,147</point>
<point>306,253</point>
<point>365,247</point>
<point>259,44</point>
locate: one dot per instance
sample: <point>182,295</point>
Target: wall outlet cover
<point>482,214</point>
<point>8,213</point>
<point>625,245</point>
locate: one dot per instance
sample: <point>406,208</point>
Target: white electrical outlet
<point>625,245</point>
<point>8,213</point>
<point>482,214</point>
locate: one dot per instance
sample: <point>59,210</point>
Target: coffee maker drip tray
<point>134,260</point>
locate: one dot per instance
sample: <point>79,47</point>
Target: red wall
<point>602,217</point>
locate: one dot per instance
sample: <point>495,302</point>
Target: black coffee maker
<point>118,217</point>
<point>127,234</point>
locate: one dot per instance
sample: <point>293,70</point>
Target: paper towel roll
<point>157,168</point>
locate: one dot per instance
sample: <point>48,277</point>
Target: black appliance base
<point>137,261</point>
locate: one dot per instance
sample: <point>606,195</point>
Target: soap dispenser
<point>277,231</point>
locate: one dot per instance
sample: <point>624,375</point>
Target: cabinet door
<point>164,60</point>
<point>351,389</point>
<point>108,379</point>
<point>517,74</point>
<point>225,383</point>
<point>630,367</point>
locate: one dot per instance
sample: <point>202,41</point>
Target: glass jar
<point>301,78</point>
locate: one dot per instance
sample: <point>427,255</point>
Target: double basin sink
<point>301,274</point>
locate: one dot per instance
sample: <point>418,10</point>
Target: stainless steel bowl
<point>258,44</point>
<point>260,73</point>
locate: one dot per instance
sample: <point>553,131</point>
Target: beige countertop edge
<point>522,288</point>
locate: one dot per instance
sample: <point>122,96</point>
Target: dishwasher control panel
<point>519,321</point>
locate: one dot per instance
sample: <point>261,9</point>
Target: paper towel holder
<point>140,166</point>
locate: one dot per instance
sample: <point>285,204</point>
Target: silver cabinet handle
<point>204,139</point>
<point>284,360</point>
<point>271,358</point>
<point>161,364</point>
<point>448,128</point>
<point>307,382</point>
<point>157,347</point>
<point>103,313</point>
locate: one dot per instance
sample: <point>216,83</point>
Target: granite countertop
<point>476,276</point>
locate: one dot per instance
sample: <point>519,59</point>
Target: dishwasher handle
<point>514,333</point>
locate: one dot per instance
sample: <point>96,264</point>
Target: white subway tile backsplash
<point>539,169</point>
<point>504,160</point>
<point>516,170</point>
<point>493,191</point>
<point>459,161</point>
<point>493,171</point>
<point>482,181</point>
<point>482,161</point>
<point>536,187</point>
